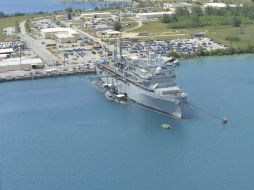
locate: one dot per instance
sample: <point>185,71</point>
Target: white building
<point>9,31</point>
<point>65,38</point>
<point>3,56</point>
<point>109,33</point>
<point>89,16</point>
<point>220,5</point>
<point>113,34</point>
<point>153,15</point>
<point>8,51</point>
<point>173,6</point>
<point>19,64</point>
<point>61,35</point>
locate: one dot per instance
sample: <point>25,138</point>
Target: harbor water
<point>30,6</point>
<point>62,133</point>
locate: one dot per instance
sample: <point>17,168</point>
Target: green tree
<point>200,51</point>
<point>117,26</point>
<point>236,22</point>
<point>166,18</point>
<point>19,14</point>
<point>69,9</point>
<point>2,15</point>
<point>173,54</point>
<point>182,12</point>
<point>196,11</point>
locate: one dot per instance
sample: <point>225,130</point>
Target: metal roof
<point>6,51</point>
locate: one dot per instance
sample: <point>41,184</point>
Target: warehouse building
<point>89,16</point>
<point>19,64</point>
<point>153,15</point>
<point>173,6</point>
<point>109,33</point>
<point>61,35</point>
<point>3,56</point>
<point>221,5</point>
<point>7,51</point>
<point>64,38</point>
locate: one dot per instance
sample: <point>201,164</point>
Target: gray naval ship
<point>150,83</point>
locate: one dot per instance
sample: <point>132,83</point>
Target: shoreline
<point>35,76</point>
<point>211,54</point>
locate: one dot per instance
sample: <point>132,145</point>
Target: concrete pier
<point>40,74</point>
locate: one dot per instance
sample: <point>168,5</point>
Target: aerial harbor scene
<point>126,94</point>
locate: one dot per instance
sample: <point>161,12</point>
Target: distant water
<point>30,6</point>
<point>63,134</point>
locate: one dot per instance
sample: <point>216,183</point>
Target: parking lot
<point>182,46</point>
<point>14,45</point>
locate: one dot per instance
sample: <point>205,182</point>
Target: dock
<point>40,74</point>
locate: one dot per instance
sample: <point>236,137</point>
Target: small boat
<point>112,94</point>
<point>166,126</point>
<point>225,120</point>
<point>172,62</point>
<point>109,95</point>
<point>121,98</point>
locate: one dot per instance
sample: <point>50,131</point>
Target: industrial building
<point>173,6</point>
<point>15,64</point>
<point>112,34</point>
<point>61,35</point>
<point>65,38</point>
<point>220,5</point>
<point>7,51</point>
<point>153,15</point>
<point>3,56</point>
<point>109,33</point>
<point>89,16</point>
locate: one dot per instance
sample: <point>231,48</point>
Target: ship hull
<point>147,99</point>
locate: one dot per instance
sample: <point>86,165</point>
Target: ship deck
<point>113,70</point>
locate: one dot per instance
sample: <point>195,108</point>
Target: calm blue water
<point>63,134</point>
<point>30,6</point>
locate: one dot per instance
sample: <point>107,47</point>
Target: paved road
<point>136,27</point>
<point>36,45</point>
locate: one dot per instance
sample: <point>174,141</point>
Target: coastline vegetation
<point>219,52</point>
<point>232,27</point>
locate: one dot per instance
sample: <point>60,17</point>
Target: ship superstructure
<point>149,82</point>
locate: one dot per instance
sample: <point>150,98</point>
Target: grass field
<point>131,23</point>
<point>160,31</point>
<point>11,21</point>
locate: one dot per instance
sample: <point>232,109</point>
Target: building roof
<point>176,5</point>
<point>112,32</point>
<point>59,29</point>
<point>95,14</point>
<point>64,35</point>
<point>6,51</point>
<point>153,14</point>
<point>3,55</point>
<point>16,61</point>
<point>218,5</point>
